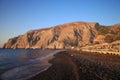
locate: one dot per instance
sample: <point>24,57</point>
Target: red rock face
<point>69,35</point>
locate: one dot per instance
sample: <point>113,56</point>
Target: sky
<point>20,16</point>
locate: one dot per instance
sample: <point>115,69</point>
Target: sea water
<point>22,64</point>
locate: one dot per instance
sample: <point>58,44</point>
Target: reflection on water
<point>23,63</point>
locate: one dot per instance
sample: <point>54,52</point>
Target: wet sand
<point>63,68</point>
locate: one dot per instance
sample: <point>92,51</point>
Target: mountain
<point>68,35</point>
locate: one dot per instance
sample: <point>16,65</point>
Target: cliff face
<point>60,36</point>
<point>69,35</point>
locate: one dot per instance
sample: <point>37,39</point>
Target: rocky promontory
<point>68,35</point>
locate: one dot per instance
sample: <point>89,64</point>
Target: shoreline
<point>76,65</point>
<point>70,65</point>
<point>63,68</point>
<point>33,66</point>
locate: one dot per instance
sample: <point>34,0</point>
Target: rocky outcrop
<point>69,35</point>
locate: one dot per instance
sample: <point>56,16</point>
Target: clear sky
<point>19,16</point>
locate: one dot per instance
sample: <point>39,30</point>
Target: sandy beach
<point>76,65</point>
<point>63,68</point>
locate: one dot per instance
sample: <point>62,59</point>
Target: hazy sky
<point>19,16</point>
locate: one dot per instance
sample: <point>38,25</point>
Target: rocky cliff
<point>69,35</point>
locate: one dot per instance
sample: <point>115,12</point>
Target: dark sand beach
<point>76,65</point>
<point>63,68</point>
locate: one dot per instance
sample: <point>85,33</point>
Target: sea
<point>22,64</point>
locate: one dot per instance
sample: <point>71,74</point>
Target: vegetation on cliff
<point>111,33</point>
